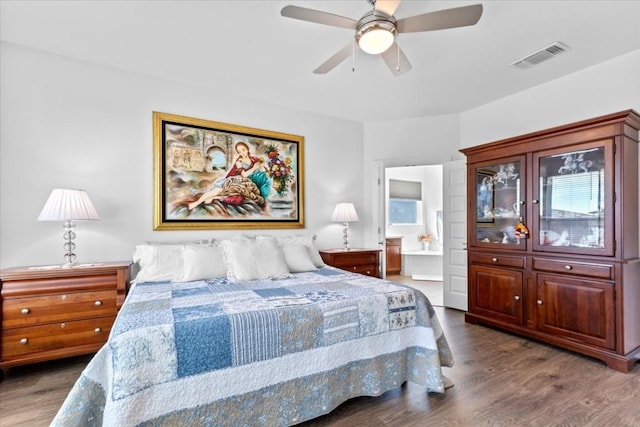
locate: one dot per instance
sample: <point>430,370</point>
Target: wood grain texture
<point>500,380</point>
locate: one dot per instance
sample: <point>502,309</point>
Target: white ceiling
<point>246,48</point>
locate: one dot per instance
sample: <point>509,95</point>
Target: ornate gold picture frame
<point>211,175</point>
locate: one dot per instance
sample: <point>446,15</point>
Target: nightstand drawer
<point>369,270</point>
<point>61,307</point>
<point>54,336</point>
<point>355,259</point>
<point>362,261</point>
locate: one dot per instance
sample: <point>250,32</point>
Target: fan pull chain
<point>353,57</point>
<point>398,66</point>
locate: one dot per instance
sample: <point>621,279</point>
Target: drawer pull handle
<point>97,303</point>
<point>517,297</point>
<point>24,341</point>
<point>539,302</point>
<point>63,325</point>
<point>494,259</point>
<point>25,311</point>
<point>97,330</point>
<point>568,267</point>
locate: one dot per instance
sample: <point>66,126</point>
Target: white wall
<point>72,124</point>
<point>416,141</point>
<point>605,88</point>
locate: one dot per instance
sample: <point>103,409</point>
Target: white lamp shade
<point>68,205</point>
<point>344,212</point>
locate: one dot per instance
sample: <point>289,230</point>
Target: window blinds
<point>408,190</point>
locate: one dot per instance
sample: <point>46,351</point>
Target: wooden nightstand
<point>363,261</point>
<point>50,313</point>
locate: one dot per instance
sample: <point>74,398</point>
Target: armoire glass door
<point>499,204</point>
<point>574,200</point>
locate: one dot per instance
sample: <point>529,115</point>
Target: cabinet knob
<point>97,330</point>
<point>539,302</point>
<point>63,297</point>
<point>522,202</point>
<point>63,325</point>
<point>517,298</point>
<point>568,267</point>
<point>24,341</point>
<point>535,202</point>
<point>25,311</point>
<point>494,259</point>
<point>368,273</point>
<point>97,303</point>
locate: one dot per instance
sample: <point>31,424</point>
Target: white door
<point>454,193</point>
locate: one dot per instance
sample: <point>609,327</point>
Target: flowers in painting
<point>278,168</point>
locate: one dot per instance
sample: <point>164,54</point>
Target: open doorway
<point>413,229</point>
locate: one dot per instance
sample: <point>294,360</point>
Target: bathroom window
<point>405,202</point>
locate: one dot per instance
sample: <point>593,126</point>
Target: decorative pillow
<point>254,259</point>
<point>201,262</point>
<point>309,243</point>
<point>297,257</point>
<point>158,262</point>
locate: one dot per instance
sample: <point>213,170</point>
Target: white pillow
<point>179,242</point>
<point>201,262</point>
<point>157,262</point>
<point>254,259</point>
<point>297,257</point>
<point>309,243</point>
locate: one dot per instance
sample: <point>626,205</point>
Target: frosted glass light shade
<point>64,205</point>
<point>376,40</point>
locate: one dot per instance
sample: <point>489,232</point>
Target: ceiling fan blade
<point>441,19</point>
<point>336,59</point>
<point>317,16</point>
<point>387,6</point>
<point>396,60</point>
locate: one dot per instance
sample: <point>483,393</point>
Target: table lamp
<point>345,213</point>
<point>68,206</point>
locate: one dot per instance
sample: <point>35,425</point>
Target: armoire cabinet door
<point>577,308</point>
<point>573,199</point>
<point>496,293</point>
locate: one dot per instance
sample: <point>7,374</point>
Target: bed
<point>214,348</point>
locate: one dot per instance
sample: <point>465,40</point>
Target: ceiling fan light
<point>375,40</point>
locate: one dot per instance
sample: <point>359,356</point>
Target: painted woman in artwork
<point>245,180</point>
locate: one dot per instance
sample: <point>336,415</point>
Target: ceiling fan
<point>375,31</point>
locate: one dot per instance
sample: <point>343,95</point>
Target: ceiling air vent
<point>541,55</point>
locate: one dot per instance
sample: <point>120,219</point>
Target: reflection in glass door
<point>572,199</point>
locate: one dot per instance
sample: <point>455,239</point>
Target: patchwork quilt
<point>273,352</point>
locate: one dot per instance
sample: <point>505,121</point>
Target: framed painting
<point>211,175</point>
<point>485,197</point>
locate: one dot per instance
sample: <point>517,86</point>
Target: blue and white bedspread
<point>213,353</point>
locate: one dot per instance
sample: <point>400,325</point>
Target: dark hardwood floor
<point>500,380</point>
